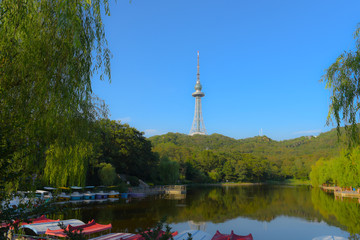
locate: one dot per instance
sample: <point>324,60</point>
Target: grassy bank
<point>293,182</point>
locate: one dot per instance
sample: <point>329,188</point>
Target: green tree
<point>107,174</point>
<point>343,78</point>
<point>49,50</point>
<point>126,149</point>
<point>168,171</point>
<point>229,171</point>
<point>215,175</point>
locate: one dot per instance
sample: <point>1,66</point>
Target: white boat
<point>329,238</point>
<point>40,228</point>
<point>43,195</point>
<point>195,234</point>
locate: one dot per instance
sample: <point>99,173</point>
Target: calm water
<point>268,212</point>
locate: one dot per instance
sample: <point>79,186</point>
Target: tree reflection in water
<point>220,204</point>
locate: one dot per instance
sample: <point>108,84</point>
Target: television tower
<point>198,126</point>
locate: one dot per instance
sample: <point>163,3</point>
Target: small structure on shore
<point>175,189</point>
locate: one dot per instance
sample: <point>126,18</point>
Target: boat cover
<point>232,236</point>
<point>87,229</point>
<point>41,219</point>
<point>140,237</point>
<point>195,234</point>
<point>114,236</point>
<point>40,228</point>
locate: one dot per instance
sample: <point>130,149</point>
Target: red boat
<point>232,236</point>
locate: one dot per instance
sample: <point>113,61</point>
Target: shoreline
<point>290,183</point>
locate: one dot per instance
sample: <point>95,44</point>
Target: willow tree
<point>343,78</point>
<point>49,51</point>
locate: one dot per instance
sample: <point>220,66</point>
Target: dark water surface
<point>268,212</point>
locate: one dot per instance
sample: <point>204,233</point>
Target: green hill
<point>283,159</point>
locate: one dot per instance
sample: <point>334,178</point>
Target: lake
<point>265,211</point>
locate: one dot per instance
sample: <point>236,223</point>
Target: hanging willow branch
<point>343,78</point>
<point>49,51</point>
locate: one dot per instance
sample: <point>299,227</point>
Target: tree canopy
<point>343,78</point>
<point>220,158</point>
<point>49,50</point>
<point>126,149</point>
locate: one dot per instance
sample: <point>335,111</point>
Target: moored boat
<point>124,195</point>
<point>39,229</point>
<point>113,194</point>
<point>89,195</point>
<point>232,236</point>
<point>86,229</point>
<point>43,195</point>
<point>195,234</point>
<point>101,195</point>
<point>76,196</point>
<point>64,195</point>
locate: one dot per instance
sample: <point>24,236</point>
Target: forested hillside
<point>222,158</point>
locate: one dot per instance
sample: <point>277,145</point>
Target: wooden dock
<point>329,188</point>
<point>339,192</point>
<point>348,194</point>
<point>175,189</point>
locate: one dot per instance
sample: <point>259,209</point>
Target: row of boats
<point>43,227</point>
<point>72,194</point>
<point>77,193</point>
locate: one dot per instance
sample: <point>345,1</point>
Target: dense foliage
<point>53,130</point>
<point>219,158</point>
<point>124,148</point>
<point>49,50</point>
<point>342,171</point>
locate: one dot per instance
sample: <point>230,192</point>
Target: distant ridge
<point>308,148</point>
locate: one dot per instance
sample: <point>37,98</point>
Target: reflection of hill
<point>262,203</point>
<point>218,204</point>
<point>346,212</point>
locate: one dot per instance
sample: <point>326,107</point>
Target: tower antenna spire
<point>198,68</point>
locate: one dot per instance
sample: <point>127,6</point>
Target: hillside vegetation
<point>222,158</point>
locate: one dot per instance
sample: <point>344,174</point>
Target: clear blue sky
<point>260,64</point>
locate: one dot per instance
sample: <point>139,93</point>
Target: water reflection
<point>344,213</point>
<point>261,210</point>
<point>263,203</point>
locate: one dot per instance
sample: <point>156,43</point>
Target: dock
<point>175,189</point>
<point>349,194</point>
<point>339,192</point>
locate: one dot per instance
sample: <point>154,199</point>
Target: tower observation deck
<point>198,126</point>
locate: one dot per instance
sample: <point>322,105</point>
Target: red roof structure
<point>87,229</point>
<point>232,236</point>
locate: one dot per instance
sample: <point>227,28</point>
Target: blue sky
<point>260,64</point>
